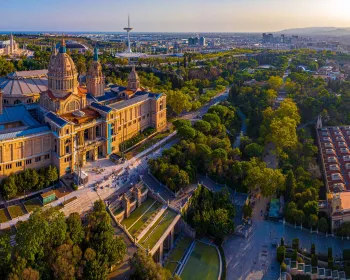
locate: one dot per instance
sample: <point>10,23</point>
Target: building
<point>334,147</point>
<point>65,124</point>
<point>11,48</point>
<point>202,42</point>
<point>74,46</point>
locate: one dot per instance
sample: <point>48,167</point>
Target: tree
<point>100,236</point>
<point>253,150</point>
<point>203,126</point>
<point>290,186</point>
<point>75,228</point>
<point>5,254</point>
<point>323,225</point>
<point>178,101</point>
<point>275,82</point>
<point>52,174</point>
<point>144,268</point>
<point>187,132</point>
<point>247,211</point>
<point>181,122</point>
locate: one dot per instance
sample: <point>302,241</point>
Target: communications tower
<point>128,29</point>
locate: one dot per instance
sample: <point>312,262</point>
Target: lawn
<point>132,230</point>
<point>178,253</point>
<point>15,211</point>
<point>138,212</point>
<point>4,216</point>
<point>157,230</point>
<point>32,204</point>
<point>204,262</point>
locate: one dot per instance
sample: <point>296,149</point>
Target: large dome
<point>62,74</point>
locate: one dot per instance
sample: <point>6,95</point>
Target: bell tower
<point>95,81</point>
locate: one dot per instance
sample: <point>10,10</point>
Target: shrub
<point>330,253</point>
<point>295,244</point>
<point>283,267</point>
<point>330,263</point>
<point>314,260</point>
<point>74,186</point>
<point>281,254</point>
<point>295,255</point>
<point>313,249</point>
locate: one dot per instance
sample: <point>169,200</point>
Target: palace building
<point>11,48</point>
<point>47,117</point>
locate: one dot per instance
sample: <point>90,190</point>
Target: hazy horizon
<point>183,16</point>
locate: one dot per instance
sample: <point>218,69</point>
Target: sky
<point>171,15</point>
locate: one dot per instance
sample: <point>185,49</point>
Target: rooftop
<point>24,83</point>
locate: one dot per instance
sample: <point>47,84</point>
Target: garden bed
<point>15,211</point>
<point>32,204</point>
<point>4,216</point>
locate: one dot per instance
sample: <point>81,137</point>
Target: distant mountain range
<point>317,31</point>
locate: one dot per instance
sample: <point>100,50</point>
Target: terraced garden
<point>178,253</point>
<point>138,212</point>
<point>204,262</point>
<point>141,222</point>
<point>157,230</point>
<point>32,204</point>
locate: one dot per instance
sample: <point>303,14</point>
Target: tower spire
<point>63,48</point>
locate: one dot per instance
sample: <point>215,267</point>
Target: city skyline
<point>179,16</point>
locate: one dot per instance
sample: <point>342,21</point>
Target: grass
<point>204,263</point>
<point>157,230</point>
<point>145,217</point>
<point>145,145</point>
<point>171,266</point>
<point>32,204</point>
<point>178,253</point>
<point>138,212</point>
<point>15,211</point>
<point>4,216</point>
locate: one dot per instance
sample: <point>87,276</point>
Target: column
<point>172,238</point>
<point>161,253</point>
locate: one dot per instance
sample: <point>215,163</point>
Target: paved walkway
<point>243,256</point>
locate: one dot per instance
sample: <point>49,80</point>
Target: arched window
<point>17,101</point>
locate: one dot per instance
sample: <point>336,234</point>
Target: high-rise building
<point>202,41</point>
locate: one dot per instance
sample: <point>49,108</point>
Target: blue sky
<point>171,15</point>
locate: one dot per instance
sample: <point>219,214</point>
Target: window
<point>37,159</point>
<point>67,149</point>
<point>147,115</point>
<point>28,161</point>
<point>129,123</point>
<point>67,131</point>
<point>18,164</point>
<point>113,148</point>
<point>47,156</point>
<point>134,121</point>
<point>143,117</point>
<point>8,166</point>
